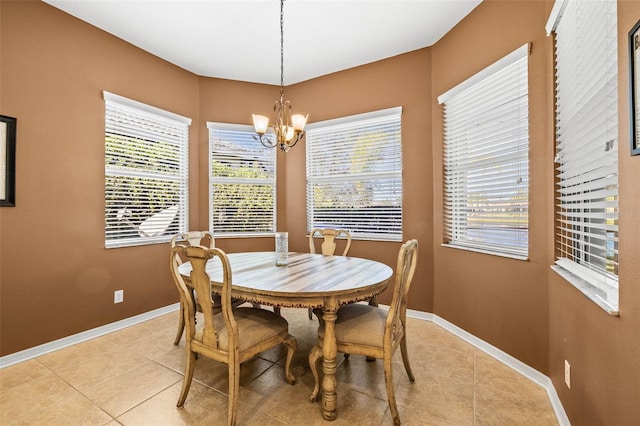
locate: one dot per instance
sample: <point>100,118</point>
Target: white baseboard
<point>517,365</point>
<point>45,348</point>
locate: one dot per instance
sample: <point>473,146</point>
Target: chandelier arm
<point>286,113</point>
<point>265,141</point>
<point>299,136</point>
<point>279,109</point>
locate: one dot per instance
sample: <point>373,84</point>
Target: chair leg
<point>314,355</point>
<point>318,313</point>
<point>405,358</point>
<point>292,345</point>
<point>188,376</point>
<point>180,326</point>
<point>388,381</point>
<point>234,390</point>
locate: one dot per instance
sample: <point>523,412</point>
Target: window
<point>587,147</point>
<point>354,175</point>
<point>486,163</point>
<point>242,182</point>
<point>146,173</point>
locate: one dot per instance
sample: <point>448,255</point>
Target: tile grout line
<point>75,389</point>
<point>141,402</point>
<point>94,403</point>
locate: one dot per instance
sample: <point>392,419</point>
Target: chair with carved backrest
<point>373,332</point>
<point>328,246</point>
<point>229,335</point>
<point>194,238</point>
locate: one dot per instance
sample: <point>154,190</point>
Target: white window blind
<point>587,146</point>
<point>354,175</point>
<point>486,163</point>
<point>242,182</point>
<point>146,173</point>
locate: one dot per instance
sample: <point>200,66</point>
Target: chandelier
<point>288,129</point>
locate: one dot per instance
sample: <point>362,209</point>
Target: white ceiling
<point>240,39</point>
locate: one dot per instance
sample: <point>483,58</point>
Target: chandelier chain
<point>281,47</point>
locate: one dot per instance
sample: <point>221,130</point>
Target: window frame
<point>574,254</point>
<point>125,117</point>
<point>250,132</point>
<point>456,216</point>
<point>336,130</point>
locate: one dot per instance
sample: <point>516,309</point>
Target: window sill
<point>589,290</point>
<point>135,242</point>
<point>486,251</point>
<point>242,235</point>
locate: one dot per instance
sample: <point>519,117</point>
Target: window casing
<point>586,77</point>
<point>486,163</point>
<point>242,182</point>
<point>146,173</point>
<point>354,175</point>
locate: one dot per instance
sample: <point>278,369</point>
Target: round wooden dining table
<point>307,281</point>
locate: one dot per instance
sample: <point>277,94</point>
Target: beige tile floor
<point>134,376</point>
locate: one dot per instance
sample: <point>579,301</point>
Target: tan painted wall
<point>525,308</point>
<point>399,81</point>
<point>81,61</point>
<point>500,300</point>
<point>53,69</point>
<point>604,351</point>
<point>57,277</point>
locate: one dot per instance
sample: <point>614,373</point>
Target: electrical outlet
<point>118,296</point>
<point>567,373</point>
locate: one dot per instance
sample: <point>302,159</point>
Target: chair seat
<point>254,326</point>
<point>359,324</point>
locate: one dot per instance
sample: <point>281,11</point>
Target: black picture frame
<point>634,88</point>
<point>7,161</point>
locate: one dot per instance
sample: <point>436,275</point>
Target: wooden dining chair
<point>326,238</point>
<point>373,332</point>
<point>194,238</point>
<point>231,335</point>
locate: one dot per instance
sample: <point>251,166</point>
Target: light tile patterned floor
<point>134,376</point>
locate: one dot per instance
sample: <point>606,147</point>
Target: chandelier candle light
<point>288,129</point>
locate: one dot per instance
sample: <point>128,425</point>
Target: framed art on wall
<point>7,161</point>
<point>634,87</point>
